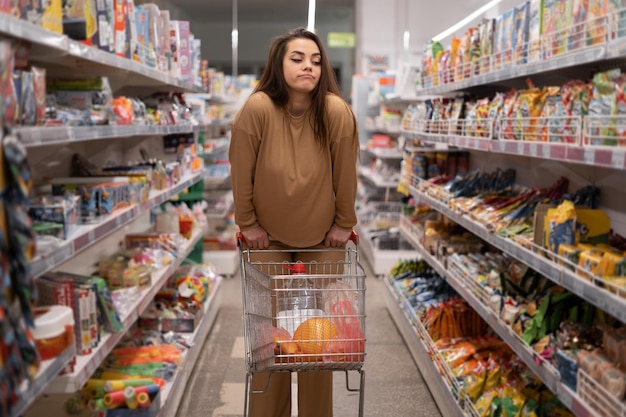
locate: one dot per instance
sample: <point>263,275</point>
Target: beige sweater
<point>284,181</point>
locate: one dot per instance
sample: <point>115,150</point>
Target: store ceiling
<point>256,10</point>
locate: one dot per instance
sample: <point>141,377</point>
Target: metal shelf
<point>57,50</point>
<point>376,179</point>
<point>384,153</point>
<point>47,372</point>
<point>86,365</point>
<point>587,155</point>
<point>589,55</point>
<point>600,297</point>
<point>448,405</point>
<point>86,236</point>
<point>58,135</point>
<point>381,261</point>
<point>545,371</point>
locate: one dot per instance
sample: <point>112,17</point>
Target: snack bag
<point>603,103</point>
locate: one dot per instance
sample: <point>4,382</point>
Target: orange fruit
<point>313,334</point>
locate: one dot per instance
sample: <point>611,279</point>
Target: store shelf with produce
<point>444,394</point>
<point>62,135</point>
<point>88,235</point>
<point>86,365</point>
<point>578,282</point>
<point>48,371</point>
<point>173,392</point>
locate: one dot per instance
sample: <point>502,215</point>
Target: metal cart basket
<point>303,316</point>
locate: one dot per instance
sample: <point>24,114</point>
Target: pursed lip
<point>307,76</point>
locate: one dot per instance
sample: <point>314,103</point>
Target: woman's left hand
<point>337,237</point>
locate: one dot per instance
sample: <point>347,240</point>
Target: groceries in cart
<point>318,323</point>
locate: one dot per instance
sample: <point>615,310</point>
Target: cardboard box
<point>188,325</point>
<point>592,226</point>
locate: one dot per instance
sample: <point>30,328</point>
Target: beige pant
<point>315,389</point>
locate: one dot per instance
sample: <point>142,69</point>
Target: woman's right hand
<point>256,238</point>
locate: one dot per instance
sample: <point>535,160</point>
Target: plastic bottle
<point>300,299</point>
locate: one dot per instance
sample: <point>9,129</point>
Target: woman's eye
<point>317,63</point>
<point>296,60</point>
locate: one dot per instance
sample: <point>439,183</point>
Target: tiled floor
<point>393,384</point>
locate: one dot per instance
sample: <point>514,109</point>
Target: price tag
<point>546,151</point>
<point>520,148</point>
<point>91,236</point>
<point>532,149</point>
<point>617,159</point>
<point>577,285</point>
<point>589,156</point>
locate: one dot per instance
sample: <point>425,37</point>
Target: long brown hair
<point>273,83</point>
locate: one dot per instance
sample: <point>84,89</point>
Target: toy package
<point>508,36</point>
<point>184,55</point>
<point>153,15</point>
<point>175,46</point>
<point>52,16</point>
<point>497,43</point>
<point>131,30</point>
<point>579,17</point>
<point>165,52</point>
<point>486,28</point>
<point>522,21</point>
<point>597,22</point>
<point>79,20</point>
<point>535,9</point>
<point>563,21</point>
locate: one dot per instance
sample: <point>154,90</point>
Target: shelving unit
<point>89,235</point>
<point>57,54</point>
<point>581,156</point>
<point>87,364</point>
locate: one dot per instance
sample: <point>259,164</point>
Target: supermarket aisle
<point>393,384</point>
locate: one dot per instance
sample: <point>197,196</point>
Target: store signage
<point>341,40</point>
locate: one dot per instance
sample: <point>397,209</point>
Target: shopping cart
<point>303,316</point>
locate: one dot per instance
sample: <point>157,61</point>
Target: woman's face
<point>302,65</point>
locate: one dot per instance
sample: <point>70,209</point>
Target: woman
<point>293,156</point>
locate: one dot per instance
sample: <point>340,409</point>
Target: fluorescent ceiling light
<point>469,18</point>
<point>311,25</point>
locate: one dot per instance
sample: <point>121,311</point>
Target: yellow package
<point>618,285</point>
<point>52,17</point>
<point>589,263</point>
<point>560,226</point>
<point>612,264</point>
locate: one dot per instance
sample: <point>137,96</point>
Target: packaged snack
<point>597,22</point>
<point>522,21</point>
<point>534,29</point>
<point>603,103</point>
<point>497,44</point>
<point>486,28</point>
<point>508,36</point>
<point>474,55</point>
<point>548,26</point>
<point>563,19</point>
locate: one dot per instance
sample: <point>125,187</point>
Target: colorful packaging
<point>74,14</point>
<point>49,15</point>
<point>184,56</point>
<point>535,11</point>
<point>508,36</point>
<point>597,22</point>
<point>497,43</point>
<point>175,45</point>
<point>105,13</point>
<point>153,45</point>
<point>131,31</point>
<point>142,21</point>
<point>166,47</point>
<point>486,29</point>
<point>522,21</point>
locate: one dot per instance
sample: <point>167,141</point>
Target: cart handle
<point>354,237</point>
